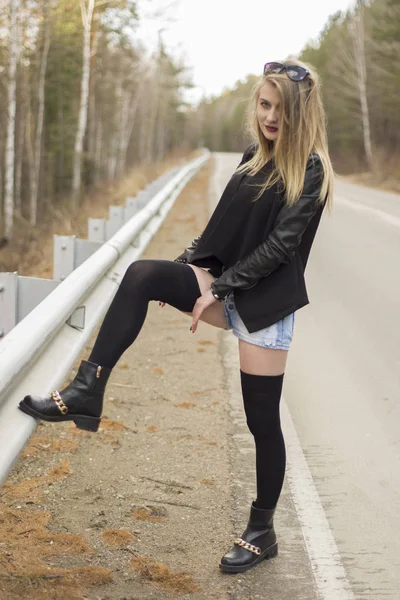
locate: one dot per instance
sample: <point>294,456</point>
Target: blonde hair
<point>302,131</point>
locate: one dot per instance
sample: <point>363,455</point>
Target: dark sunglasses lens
<point>273,67</point>
<point>296,73</point>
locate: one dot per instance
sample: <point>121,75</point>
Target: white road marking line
<point>326,563</point>
<point>373,212</point>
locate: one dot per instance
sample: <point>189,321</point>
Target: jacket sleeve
<point>281,243</point>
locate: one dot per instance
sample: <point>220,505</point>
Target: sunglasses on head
<point>294,72</point>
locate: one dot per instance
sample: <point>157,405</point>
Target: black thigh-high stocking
<point>261,397</point>
<point>164,280</point>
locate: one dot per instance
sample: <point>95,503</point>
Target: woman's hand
<point>203,302</point>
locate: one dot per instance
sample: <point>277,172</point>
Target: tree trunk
<point>114,142</point>
<point>87,15</point>
<point>10,146</point>
<point>151,119</point>
<point>39,124</point>
<point>60,137</point>
<point>92,109</point>
<point>359,55</point>
<point>127,131</point>
<point>98,149</point>
<point>28,133</point>
<point>20,141</point>
<point>122,130</point>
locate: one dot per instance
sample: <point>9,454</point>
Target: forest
<point>357,56</point>
<point>82,102</point>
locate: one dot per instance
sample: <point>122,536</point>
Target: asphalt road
<point>341,410</point>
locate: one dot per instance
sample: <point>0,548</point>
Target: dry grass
<point>28,547</point>
<point>107,438</point>
<point>160,576</point>
<point>373,180</point>
<point>119,538</point>
<point>158,371</point>
<point>52,584</point>
<point>151,514</point>
<point>385,174</point>
<point>110,425</point>
<point>152,429</point>
<point>30,490</point>
<point>45,445</point>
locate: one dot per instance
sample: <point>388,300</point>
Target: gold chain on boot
<point>247,546</point>
<point>63,408</point>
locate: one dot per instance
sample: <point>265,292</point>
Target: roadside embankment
<point>141,509</point>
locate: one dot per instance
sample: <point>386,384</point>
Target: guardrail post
<point>96,230</point>
<point>131,207</point>
<point>30,292</point>
<point>69,253</point>
<point>115,221</point>
<point>143,197</point>
<point>18,296</point>
<point>8,302</point>
<point>153,188</point>
<point>63,256</point>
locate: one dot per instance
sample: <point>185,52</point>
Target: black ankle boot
<point>81,401</point>
<point>257,543</point>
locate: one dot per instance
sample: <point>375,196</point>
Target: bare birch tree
<point>19,142</point>
<point>129,121</point>
<point>49,5</point>
<point>87,16</point>
<point>357,31</point>
<point>10,145</point>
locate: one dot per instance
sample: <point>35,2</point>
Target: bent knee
<point>141,269</point>
<point>263,427</point>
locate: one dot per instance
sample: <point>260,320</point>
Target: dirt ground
<point>141,509</point>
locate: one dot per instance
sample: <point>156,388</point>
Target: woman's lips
<point>271,129</point>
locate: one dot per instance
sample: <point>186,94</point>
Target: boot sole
<point>268,553</point>
<point>84,422</point>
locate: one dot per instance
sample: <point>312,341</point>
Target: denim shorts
<point>277,336</point>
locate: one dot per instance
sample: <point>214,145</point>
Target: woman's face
<point>268,111</point>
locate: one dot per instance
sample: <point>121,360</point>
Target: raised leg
<point>145,280</point>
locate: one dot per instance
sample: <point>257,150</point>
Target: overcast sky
<point>225,40</point>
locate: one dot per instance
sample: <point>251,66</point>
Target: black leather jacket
<point>281,245</point>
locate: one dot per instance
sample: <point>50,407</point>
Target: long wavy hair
<point>302,130</point>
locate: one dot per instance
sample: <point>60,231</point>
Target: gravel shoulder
<point>142,509</point>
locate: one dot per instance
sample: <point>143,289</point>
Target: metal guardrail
<point>39,352</point>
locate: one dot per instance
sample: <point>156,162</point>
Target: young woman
<point>245,273</point>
